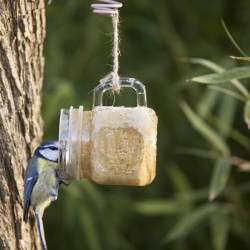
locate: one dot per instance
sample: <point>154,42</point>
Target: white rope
<point>110,9</point>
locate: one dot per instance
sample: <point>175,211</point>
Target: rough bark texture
<point>22,32</point>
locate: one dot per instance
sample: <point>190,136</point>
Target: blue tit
<point>42,181</point>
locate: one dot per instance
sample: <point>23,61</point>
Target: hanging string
<point>110,8</point>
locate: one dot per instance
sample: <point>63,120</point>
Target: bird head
<point>48,151</point>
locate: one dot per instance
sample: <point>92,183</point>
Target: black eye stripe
<point>53,148</point>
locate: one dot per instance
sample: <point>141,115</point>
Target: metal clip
<point>109,7</point>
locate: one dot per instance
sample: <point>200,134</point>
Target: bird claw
<point>60,178</point>
<point>64,183</point>
<point>65,178</point>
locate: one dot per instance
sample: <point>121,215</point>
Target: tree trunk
<point>22,32</point>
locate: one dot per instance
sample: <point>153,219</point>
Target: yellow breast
<point>45,182</point>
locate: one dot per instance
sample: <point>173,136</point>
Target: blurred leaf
<point>235,134</point>
<point>209,98</point>
<point>160,207</point>
<point>219,177</point>
<point>198,152</point>
<point>56,98</point>
<point>86,220</point>
<point>228,92</point>
<point>240,229</point>
<point>179,180</point>
<point>217,68</point>
<point>207,102</point>
<point>219,225</point>
<point>247,114</point>
<point>193,196</point>
<point>235,73</point>
<point>227,112</point>
<point>204,62</point>
<point>245,166</point>
<point>190,221</point>
<point>92,191</point>
<point>169,31</point>
<point>69,204</point>
<point>241,58</point>
<point>232,40</point>
<point>205,130</point>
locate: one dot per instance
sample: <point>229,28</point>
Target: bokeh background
<point>173,212</point>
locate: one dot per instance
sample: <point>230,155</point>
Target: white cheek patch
<point>48,154</point>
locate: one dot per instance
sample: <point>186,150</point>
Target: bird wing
<point>30,179</point>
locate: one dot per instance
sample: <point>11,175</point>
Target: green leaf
<point>198,152</point>
<point>207,102</point>
<point>232,40</point>
<point>235,73</point>
<point>247,114</point>
<point>160,207</point>
<point>190,221</point>
<point>178,179</point>
<point>227,112</point>
<point>204,62</point>
<point>205,130</point>
<point>219,177</point>
<point>228,92</point>
<point>217,68</point>
<point>241,58</point>
<point>219,226</point>
<point>233,133</point>
<point>193,196</point>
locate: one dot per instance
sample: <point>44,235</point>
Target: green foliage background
<point>173,212</point>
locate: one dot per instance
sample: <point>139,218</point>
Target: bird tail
<point>41,231</point>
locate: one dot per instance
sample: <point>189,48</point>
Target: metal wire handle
<point>109,7</point>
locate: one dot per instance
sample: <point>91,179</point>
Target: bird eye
<point>53,148</point>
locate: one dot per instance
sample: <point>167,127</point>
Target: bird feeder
<point>110,145</point>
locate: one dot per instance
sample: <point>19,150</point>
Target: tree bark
<point>22,32</point>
